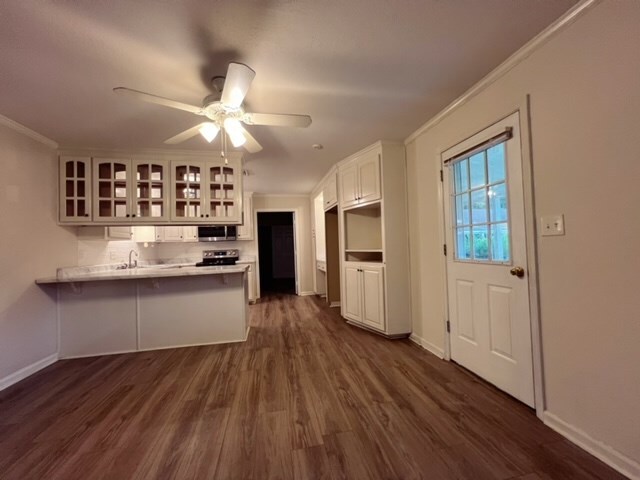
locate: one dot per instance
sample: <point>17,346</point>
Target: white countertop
<point>109,272</point>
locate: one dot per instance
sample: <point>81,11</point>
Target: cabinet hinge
<point>441,176</point>
<point>444,249</point>
<point>448,326</point>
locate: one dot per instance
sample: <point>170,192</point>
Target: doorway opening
<point>276,252</point>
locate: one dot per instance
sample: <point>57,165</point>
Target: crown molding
<point>144,152</point>
<point>515,59</point>
<point>18,127</point>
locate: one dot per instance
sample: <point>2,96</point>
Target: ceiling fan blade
<point>277,119</point>
<point>187,134</point>
<point>147,97</point>
<point>236,84</point>
<point>251,144</point>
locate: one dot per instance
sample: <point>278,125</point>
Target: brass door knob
<point>517,271</point>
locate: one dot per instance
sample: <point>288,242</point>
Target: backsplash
<point>93,249</point>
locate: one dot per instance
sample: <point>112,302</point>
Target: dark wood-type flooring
<point>307,396</point>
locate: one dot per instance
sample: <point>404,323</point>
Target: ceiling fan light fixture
<point>234,130</point>
<point>209,131</point>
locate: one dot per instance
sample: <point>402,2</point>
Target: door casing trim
<point>532,252</point>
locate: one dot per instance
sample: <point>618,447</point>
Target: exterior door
<point>487,277</point>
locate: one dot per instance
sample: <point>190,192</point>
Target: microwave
<point>217,233</point>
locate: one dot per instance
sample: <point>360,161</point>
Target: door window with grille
<point>481,207</point>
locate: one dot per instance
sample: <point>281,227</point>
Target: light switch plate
<point>552,225</point>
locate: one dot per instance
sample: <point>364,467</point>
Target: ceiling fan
<point>224,110</point>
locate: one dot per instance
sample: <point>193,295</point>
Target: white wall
<point>31,246</point>
<point>303,226</point>
<point>585,109</point>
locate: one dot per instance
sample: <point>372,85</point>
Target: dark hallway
<point>277,252</point>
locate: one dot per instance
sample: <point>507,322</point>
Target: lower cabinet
<point>364,294</point>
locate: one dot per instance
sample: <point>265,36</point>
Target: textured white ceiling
<point>364,70</point>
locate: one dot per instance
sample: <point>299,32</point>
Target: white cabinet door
<point>75,189</point>
<point>352,292</point>
<point>118,233</point>
<point>330,193</point>
<point>245,231</point>
<point>224,192</point>
<point>150,191</point>
<point>188,191</point>
<point>373,296</point>
<point>169,234</point>
<point>111,196</point>
<point>190,234</point>
<point>369,177</point>
<point>348,180</point>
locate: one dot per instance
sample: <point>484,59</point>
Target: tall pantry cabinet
<point>374,243</point>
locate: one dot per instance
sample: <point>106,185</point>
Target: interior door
<point>487,267</point>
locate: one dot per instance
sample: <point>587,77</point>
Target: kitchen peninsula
<point>102,310</point>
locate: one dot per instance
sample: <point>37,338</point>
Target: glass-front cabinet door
<point>75,189</point>
<point>111,183</point>
<point>223,187</point>
<point>188,202</point>
<point>150,191</point>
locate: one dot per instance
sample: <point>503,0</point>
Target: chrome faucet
<point>134,263</point>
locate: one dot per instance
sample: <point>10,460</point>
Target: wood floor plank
<point>306,396</point>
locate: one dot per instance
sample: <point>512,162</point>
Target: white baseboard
<point>23,373</point>
<point>334,304</point>
<point>306,294</point>
<point>598,449</point>
<point>428,346</point>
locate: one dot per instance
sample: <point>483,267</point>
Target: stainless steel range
<point>219,257</point>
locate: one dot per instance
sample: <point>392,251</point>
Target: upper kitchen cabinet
<point>130,191</point>
<point>359,178</point>
<point>150,194</point>
<point>330,191</point>
<point>112,181</point>
<point>207,191</point>
<point>75,189</point>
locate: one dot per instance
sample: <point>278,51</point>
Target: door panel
<point>500,331</point>
<point>373,296</point>
<point>484,218</point>
<point>348,185</point>
<point>111,184</point>
<point>464,304</point>
<point>369,176</point>
<point>352,301</point>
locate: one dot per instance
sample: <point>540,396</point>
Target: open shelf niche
<point>363,234</point>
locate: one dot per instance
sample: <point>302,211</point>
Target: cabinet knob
<point>128,215</point>
<point>202,215</point>
<point>133,215</point>
<point>86,214</point>
<point>207,215</point>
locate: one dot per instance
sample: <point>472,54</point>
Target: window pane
<point>479,206</point>
<point>462,209</point>
<point>480,243</point>
<point>463,243</point>
<point>500,242</point>
<point>476,164</point>
<point>495,159</point>
<point>461,176</point>
<point>498,203</point>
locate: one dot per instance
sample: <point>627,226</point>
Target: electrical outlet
<point>552,225</point>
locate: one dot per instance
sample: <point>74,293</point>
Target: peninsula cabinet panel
<point>75,189</point>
